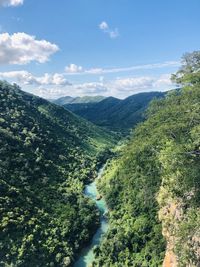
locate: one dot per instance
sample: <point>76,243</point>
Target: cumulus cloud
<point>113,33</point>
<point>92,88</point>
<point>21,48</point>
<point>103,25</point>
<point>164,80</point>
<point>56,85</point>
<point>132,84</point>
<point>26,78</point>
<point>52,93</point>
<point>11,2</point>
<point>123,87</point>
<point>74,69</point>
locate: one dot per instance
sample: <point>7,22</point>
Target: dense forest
<point>46,156</point>
<point>77,100</point>
<point>113,113</point>
<point>151,182</point>
<point>152,187</point>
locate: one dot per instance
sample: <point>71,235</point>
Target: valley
<point>112,113</point>
<point>80,188</point>
<point>47,156</point>
<point>87,255</point>
<point>99,133</point>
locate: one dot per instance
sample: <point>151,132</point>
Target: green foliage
<point>46,156</point>
<point>115,114</point>
<point>157,169</point>
<point>74,100</point>
<point>190,70</point>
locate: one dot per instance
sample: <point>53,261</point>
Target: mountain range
<point>113,113</point>
<point>74,100</point>
<point>150,183</point>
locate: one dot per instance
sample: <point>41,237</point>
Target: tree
<point>189,73</point>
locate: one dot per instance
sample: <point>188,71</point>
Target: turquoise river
<point>87,255</point>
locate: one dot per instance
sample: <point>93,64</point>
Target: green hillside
<point>95,112</point>
<point>63,100</point>
<point>46,156</point>
<point>153,186</point>
<point>75,100</point>
<point>115,114</point>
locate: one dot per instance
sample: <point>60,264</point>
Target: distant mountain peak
<point>113,113</point>
<point>79,99</point>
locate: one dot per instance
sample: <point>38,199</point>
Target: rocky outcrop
<point>170,259</point>
<point>169,215</point>
<point>183,249</point>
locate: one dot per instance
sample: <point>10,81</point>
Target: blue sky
<point>88,47</point>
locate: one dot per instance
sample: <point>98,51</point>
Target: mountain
<point>63,100</point>
<point>115,114</point>
<point>84,99</point>
<point>94,111</point>
<point>152,187</point>
<point>87,99</point>
<point>46,155</point>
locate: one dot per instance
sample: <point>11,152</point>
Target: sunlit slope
<point>46,153</point>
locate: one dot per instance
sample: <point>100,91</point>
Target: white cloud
<point>164,80</point>
<point>92,88</point>
<point>51,93</point>
<point>103,25</point>
<point>123,87</point>
<point>11,2</point>
<point>113,33</point>
<point>21,48</point>
<point>74,69</point>
<point>53,79</point>
<point>132,84</point>
<point>26,78</point>
<point>56,85</point>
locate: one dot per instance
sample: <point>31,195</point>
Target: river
<point>87,255</point>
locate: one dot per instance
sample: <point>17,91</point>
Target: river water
<point>87,255</point>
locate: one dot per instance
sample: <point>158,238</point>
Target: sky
<point>115,48</point>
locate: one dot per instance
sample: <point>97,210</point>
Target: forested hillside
<point>46,155</point>
<point>153,188</point>
<point>77,100</point>
<point>115,114</point>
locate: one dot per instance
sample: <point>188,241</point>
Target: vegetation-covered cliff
<point>153,187</point>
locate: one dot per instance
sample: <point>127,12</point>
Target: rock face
<point>170,259</point>
<point>168,214</point>
<point>99,197</point>
<point>172,214</point>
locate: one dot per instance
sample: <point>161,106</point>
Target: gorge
<point>53,212</point>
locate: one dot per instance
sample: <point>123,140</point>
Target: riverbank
<point>87,254</point>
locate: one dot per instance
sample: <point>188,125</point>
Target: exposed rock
<point>99,197</point>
